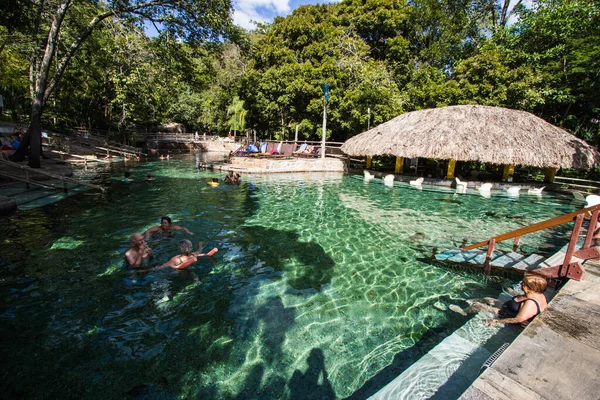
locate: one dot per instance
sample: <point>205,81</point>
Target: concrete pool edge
<point>557,356</point>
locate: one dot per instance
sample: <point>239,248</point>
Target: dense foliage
<point>386,56</point>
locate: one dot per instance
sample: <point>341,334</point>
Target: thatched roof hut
<point>475,133</point>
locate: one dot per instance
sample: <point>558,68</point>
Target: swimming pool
<point>318,285</point>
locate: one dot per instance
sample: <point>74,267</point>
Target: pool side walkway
<point>557,356</point>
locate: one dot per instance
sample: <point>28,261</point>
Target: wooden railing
<point>584,185</point>
<point>27,170</point>
<point>567,268</point>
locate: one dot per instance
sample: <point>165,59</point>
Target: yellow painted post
<point>549,174</point>
<point>451,167</point>
<point>509,171</point>
<point>369,162</point>
<point>399,165</point>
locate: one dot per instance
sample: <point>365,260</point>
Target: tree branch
<point>41,76</point>
<point>87,31</point>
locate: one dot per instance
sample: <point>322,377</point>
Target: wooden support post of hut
<point>549,174</point>
<point>451,167</point>
<point>509,171</point>
<point>399,165</point>
<point>369,162</point>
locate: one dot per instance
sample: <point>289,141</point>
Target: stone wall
<point>288,164</point>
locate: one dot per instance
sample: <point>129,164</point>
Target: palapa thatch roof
<point>475,133</point>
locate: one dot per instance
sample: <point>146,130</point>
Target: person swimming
<point>232,178</point>
<point>127,177</point>
<point>165,228</point>
<point>138,253</point>
<point>187,256</point>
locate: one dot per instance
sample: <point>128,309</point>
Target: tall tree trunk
<point>31,146</point>
<point>38,81</point>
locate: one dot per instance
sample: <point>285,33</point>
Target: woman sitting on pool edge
<point>187,256</point>
<point>165,227</point>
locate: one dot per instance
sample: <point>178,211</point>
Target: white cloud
<point>259,11</point>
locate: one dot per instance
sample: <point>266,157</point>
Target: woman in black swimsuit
<point>522,309</point>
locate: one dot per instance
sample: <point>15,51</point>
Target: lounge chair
<point>368,175</point>
<point>513,190</point>
<point>461,186</point>
<point>578,196</point>
<point>417,182</point>
<point>485,190</point>
<point>301,149</point>
<point>592,200</point>
<point>536,191</point>
<point>270,149</point>
<point>288,149</point>
<point>388,180</point>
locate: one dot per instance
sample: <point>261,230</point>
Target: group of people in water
<point>139,252</point>
<point>521,309</point>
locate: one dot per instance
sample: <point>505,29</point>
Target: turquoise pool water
<point>318,285</point>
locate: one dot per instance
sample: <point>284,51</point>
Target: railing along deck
<point>29,170</point>
<point>568,269</point>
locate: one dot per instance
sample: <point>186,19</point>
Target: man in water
<point>165,228</point>
<point>139,253</point>
<point>232,178</point>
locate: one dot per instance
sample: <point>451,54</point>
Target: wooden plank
<point>28,181</point>
<point>42,172</point>
<point>578,186</point>
<point>507,260</point>
<point>530,263</point>
<point>575,179</point>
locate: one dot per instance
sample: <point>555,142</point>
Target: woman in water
<point>187,256</point>
<point>165,228</point>
<point>523,309</point>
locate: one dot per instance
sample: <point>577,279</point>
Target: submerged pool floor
<point>318,288</point>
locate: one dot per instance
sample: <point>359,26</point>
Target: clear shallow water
<point>317,287</point>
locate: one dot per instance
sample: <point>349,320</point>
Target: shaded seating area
<point>440,144</point>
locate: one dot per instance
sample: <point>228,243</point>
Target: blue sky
<point>265,10</point>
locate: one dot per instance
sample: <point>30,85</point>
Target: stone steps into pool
<point>509,261</point>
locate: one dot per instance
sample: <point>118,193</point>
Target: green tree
<point>236,111</point>
<point>561,39</point>
<point>63,24</point>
